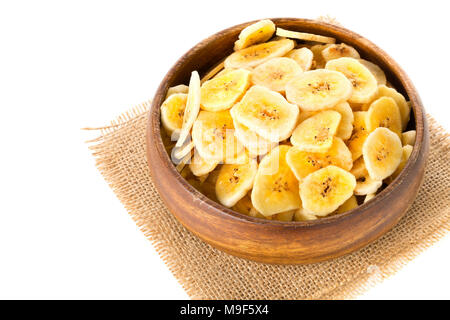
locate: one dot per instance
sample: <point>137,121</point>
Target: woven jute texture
<point>206,273</point>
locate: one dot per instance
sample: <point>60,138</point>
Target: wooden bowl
<point>274,241</point>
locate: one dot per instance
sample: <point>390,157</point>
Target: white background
<point>69,64</point>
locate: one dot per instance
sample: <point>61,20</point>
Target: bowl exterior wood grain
<point>275,241</point>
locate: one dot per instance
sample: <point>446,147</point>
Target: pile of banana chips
<point>291,126</point>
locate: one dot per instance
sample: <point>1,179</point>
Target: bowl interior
<point>214,49</point>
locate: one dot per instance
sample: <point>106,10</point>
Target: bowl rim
<point>217,208</point>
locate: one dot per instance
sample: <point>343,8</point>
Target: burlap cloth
<point>206,273</point>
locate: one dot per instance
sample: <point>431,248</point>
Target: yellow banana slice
<point>258,32</point>
<point>323,191</point>
<point>172,112</point>
<point>275,188</point>
<point>363,81</point>
<point>213,72</point>
<point>182,163</point>
<point>336,51</point>
<point>384,112</point>
<point>318,60</point>
<point>223,92</point>
<point>303,163</point>
<point>267,113</point>
<point>181,88</point>
<point>377,72</point>
<point>255,213</point>
<point>315,134</point>
<point>359,134</point>
<point>348,205</point>
<point>403,106</point>
<point>406,153</point>
<point>382,152</point>
<point>276,73</point>
<point>345,128</point>
<point>318,89</point>
<point>359,168</point>
<point>303,215</point>
<point>167,141</point>
<point>366,185</point>
<point>192,108</point>
<point>186,173</point>
<point>213,136</point>
<point>409,137</point>
<point>303,56</point>
<point>244,205</point>
<point>182,151</point>
<point>284,216</point>
<point>304,36</point>
<point>252,56</point>
<point>199,167</point>
<point>255,144</point>
<point>234,181</point>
